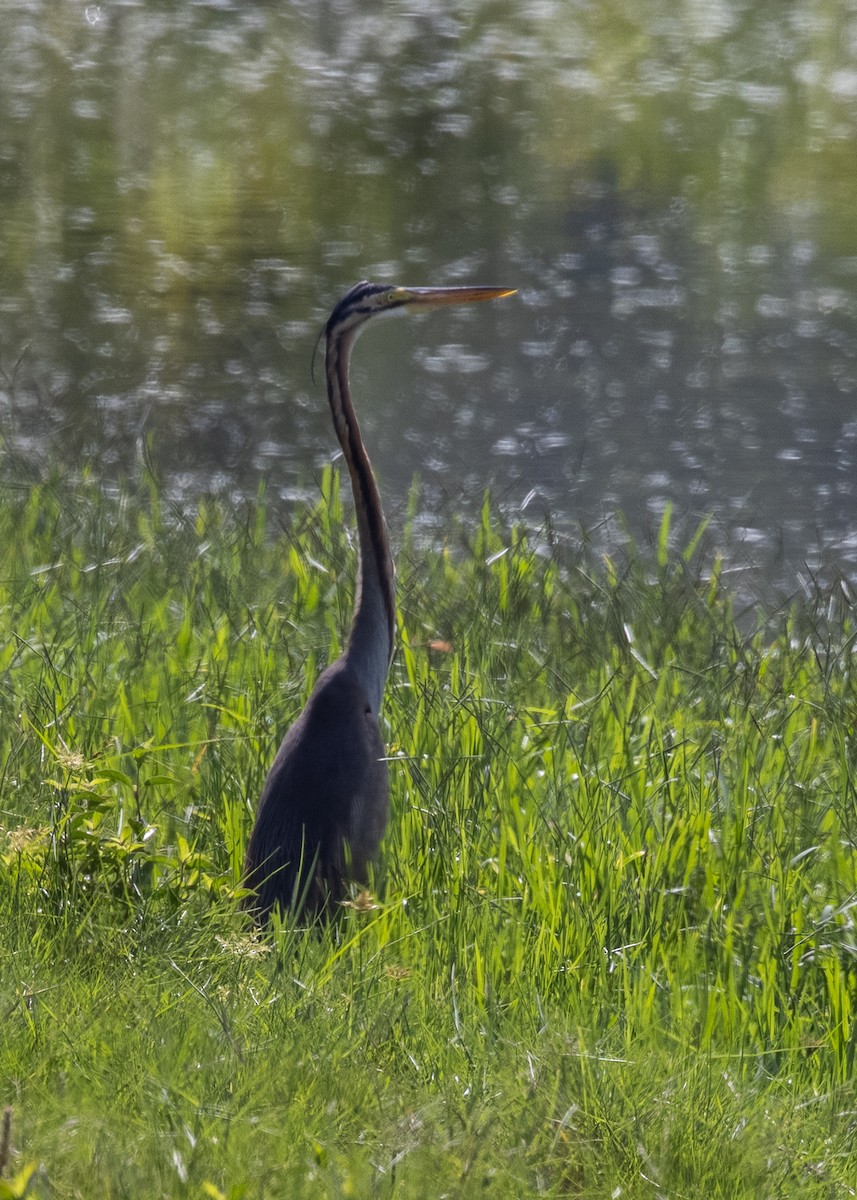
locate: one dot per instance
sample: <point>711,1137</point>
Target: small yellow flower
<point>23,838</point>
<point>71,760</point>
<point>244,946</point>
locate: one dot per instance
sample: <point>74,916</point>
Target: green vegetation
<point>612,949</point>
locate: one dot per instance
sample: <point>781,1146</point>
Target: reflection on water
<point>184,193</point>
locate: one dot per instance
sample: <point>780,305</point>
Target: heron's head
<point>366,300</point>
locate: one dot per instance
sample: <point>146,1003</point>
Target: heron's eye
<point>391,297</point>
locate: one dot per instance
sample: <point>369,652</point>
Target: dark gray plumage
<point>322,813</point>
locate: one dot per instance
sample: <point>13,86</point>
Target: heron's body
<point>324,806</point>
<point>322,813</point>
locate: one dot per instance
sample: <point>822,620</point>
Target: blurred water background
<point>185,189</point>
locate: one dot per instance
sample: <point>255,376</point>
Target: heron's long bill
<point>429,297</point>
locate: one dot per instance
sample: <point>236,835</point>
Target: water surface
<point>186,189</point>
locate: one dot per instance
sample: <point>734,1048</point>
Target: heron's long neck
<point>370,645</point>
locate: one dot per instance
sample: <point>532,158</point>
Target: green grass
<point>612,951</point>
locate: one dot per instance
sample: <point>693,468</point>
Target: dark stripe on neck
<point>365,490</point>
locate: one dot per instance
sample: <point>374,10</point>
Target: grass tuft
<point>611,947</point>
